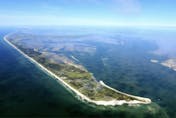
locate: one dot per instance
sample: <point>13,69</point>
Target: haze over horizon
<point>88,12</point>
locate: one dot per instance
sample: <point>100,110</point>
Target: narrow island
<point>52,55</point>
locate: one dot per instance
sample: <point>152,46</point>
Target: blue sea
<point>25,90</point>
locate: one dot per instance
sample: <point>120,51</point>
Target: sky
<point>88,12</point>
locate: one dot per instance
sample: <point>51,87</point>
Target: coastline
<point>80,95</point>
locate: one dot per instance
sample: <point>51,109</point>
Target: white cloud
<point>128,6</point>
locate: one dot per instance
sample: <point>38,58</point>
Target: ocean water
<point>25,90</point>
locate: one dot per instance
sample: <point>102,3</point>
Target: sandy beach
<point>80,95</point>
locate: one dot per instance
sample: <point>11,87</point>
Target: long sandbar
<point>114,102</point>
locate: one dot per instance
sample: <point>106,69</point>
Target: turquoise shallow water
<point>25,90</point>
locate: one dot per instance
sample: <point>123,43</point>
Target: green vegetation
<point>73,75</point>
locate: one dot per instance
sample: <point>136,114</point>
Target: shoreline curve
<point>80,95</point>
